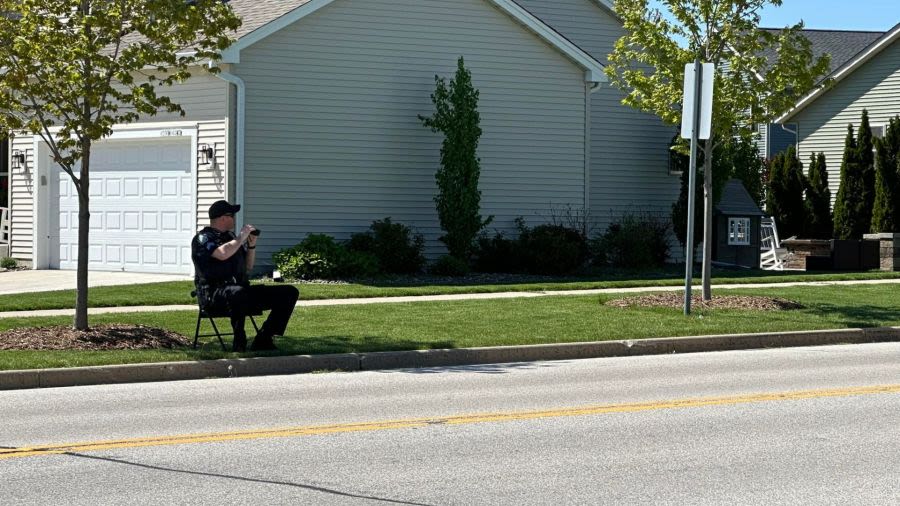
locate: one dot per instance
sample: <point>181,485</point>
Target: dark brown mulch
<point>676,300</point>
<point>98,337</point>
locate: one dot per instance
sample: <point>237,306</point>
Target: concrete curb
<point>264,366</point>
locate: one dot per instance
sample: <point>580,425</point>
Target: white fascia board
<point>593,68</point>
<point>843,71</point>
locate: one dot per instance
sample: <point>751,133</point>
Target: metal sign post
<point>696,123</point>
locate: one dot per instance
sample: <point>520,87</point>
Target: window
<point>738,231</point>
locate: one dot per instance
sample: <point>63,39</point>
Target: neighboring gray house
<point>870,80</point>
<point>312,126</point>
<point>841,46</point>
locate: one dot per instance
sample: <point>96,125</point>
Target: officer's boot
<point>263,341</point>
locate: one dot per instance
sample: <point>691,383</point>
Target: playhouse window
<point>738,231</point>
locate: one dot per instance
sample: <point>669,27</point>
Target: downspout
<point>239,138</point>
<point>590,89</point>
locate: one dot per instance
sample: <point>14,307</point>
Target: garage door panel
<point>141,208</point>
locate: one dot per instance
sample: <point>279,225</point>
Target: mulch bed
<point>98,337</point>
<point>675,300</point>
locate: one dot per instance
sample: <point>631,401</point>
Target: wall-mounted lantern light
<point>206,153</point>
<point>18,159</point>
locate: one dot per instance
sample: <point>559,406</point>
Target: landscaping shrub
<point>633,241</point>
<point>458,200</point>
<point>784,200</point>
<point>396,247</point>
<point>8,263</point>
<point>856,195</point>
<point>886,213</point>
<point>448,265</point>
<point>551,249</point>
<point>818,199</point>
<point>319,256</point>
<point>497,254</point>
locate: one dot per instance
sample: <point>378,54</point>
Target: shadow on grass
<point>857,316</point>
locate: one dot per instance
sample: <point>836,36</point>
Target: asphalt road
<point>787,426</point>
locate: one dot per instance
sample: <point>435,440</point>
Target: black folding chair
<point>211,316</point>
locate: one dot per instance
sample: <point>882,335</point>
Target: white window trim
<point>733,239</point>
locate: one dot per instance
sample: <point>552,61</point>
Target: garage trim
<point>41,203</point>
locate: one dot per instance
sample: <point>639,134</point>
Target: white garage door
<point>141,200</point>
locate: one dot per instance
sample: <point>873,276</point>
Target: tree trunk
<point>707,220</point>
<point>84,227</point>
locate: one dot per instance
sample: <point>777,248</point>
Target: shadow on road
<point>241,478</point>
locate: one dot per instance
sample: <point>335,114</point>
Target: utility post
<point>696,124</point>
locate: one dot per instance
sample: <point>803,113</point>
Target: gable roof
<point>845,69</point>
<point>736,201</point>
<point>262,18</point>
<point>841,45</point>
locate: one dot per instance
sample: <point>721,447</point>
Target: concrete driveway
<point>46,280</point>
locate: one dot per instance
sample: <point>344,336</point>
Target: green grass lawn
<point>426,325</point>
<point>178,292</point>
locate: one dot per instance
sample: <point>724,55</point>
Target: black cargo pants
<point>241,301</point>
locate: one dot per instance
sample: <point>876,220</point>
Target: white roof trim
<point>593,68</point>
<point>843,71</point>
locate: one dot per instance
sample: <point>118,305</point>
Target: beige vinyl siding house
<point>333,135</point>
<point>870,81</point>
<point>314,128</point>
<point>629,149</point>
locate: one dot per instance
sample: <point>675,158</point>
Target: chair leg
<point>197,331</point>
<point>218,334</point>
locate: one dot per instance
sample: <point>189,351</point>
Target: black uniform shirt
<point>212,272</point>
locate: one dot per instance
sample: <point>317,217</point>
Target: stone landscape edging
<point>298,364</point>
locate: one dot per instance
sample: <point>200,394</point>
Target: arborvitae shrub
<point>818,199</point>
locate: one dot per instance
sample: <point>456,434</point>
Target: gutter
<point>239,169</point>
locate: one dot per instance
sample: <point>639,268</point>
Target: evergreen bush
<point>848,223</point>
<point>458,200</point>
<point>448,265</point>
<point>818,199</point>
<point>886,212</point>
<point>497,254</point>
<point>397,248</point>
<point>633,241</point>
<point>865,146</point>
<point>551,249</point>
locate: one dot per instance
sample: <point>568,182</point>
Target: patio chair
<point>211,315</point>
<point>771,257</point>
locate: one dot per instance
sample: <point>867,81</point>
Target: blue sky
<point>876,15</point>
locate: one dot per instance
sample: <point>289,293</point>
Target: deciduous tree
<point>73,69</point>
<point>648,63</point>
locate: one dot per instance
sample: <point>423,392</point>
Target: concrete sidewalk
<point>30,281</point>
<point>444,298</point>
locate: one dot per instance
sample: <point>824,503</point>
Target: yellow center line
<point>316,430</point>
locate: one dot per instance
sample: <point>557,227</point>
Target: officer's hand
<point>245,233</point>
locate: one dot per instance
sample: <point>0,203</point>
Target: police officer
<point>221,263</point>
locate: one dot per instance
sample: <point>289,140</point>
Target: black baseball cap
<point>221,208</point>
